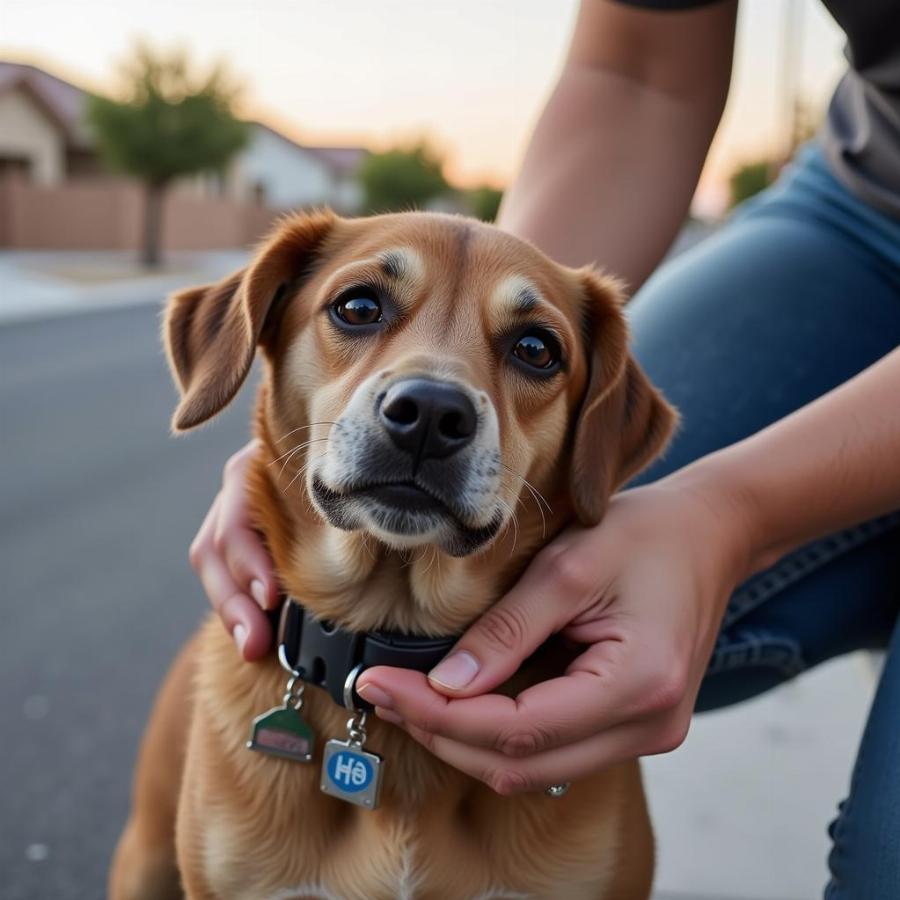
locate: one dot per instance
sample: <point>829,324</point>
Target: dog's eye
<point>538,350</point>
<point>358,309</point>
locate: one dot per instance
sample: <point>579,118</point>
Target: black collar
<point>332,658</point>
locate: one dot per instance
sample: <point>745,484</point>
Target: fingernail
<point>375,695</point>
<point>240,636</point>
<point>456,671</point>
<point>258,590</point>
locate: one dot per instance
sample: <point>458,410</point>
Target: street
<point>98,505</point>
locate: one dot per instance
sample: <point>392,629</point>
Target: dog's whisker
<point>283,455</point>
<point>424,553</point>
<point>300,428</point>
<point>301,471</point>
<point>523,501</point>
<point>291,453</point>
<point>415,560</point>
<point>536,494</point>
<point>278,440</point>
<point>434,559</point>
<point>513,521</point>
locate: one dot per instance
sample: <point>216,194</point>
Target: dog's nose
<point>429,419</point>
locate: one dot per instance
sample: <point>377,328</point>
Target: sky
<point>470,75</point>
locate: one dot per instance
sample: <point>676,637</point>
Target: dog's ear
<point>624,422</point>
<point>211,332</point>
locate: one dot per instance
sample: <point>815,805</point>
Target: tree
<point>170,124</point>
<point>485,202</point>
<point>750,179</point>
<point>402,179</point>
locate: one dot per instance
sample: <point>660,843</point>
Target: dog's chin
<point>402,517</point>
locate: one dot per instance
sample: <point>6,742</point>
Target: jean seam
<point>803,562</point>
<point>757,648</point>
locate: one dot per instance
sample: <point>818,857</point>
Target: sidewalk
<point>740,811</point>
<point>37,284</point>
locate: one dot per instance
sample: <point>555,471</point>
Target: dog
<point>430,383</point>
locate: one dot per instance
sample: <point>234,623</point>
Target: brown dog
<point>418,369</point>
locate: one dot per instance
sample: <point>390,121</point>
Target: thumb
<point>509,632</point>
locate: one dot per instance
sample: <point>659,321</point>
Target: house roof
<point>62,101</point>
<point>342,161</point>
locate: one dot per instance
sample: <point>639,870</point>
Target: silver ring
<point>350,685</point>
<point>282,658</point>
<point>558,790</point>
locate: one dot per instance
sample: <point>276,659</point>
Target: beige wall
<point>26,132</point>
<point>107,214</point>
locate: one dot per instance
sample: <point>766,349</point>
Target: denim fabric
<point>796,294</point>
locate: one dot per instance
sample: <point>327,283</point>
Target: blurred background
<point>146,146</point>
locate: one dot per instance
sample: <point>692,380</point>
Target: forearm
<point>616,155</point>
<point>596,185</point>
<point>830,465</point>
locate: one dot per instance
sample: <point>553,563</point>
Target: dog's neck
<point>359,583</point>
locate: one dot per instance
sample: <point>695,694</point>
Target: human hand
<point>644,591</point>
<point>234,567</point>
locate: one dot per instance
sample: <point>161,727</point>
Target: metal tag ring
<point>350,687</point>
<point>282,658</point>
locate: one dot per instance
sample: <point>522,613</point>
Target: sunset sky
<point>470,74</point>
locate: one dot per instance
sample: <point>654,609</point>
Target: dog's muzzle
<point>415,461</point>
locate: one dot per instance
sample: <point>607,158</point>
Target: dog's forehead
<point>475,258</point>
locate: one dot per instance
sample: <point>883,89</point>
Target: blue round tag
<point>350,772</point>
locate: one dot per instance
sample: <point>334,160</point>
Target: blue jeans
<point>795,295</point>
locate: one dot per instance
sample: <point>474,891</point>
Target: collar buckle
<point>332,658</point>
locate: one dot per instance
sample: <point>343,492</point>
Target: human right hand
<point>643,593</point>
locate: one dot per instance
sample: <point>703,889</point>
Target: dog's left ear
<point>211,332</point>
<point>624,422</point>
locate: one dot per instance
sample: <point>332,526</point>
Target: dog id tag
<point>349,772</point>
<point>282,731</point>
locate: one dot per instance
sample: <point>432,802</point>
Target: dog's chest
<point>371,859</point>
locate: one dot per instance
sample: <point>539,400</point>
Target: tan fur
<point>251,826</point>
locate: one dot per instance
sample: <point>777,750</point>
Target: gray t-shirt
<point>861,135</point>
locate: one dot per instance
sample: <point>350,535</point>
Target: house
<point>45,138</point>
<point>277,171</point>
<point>43,134</point>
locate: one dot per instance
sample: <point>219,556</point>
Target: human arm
<point>615,157</point>
<point>645,592</point>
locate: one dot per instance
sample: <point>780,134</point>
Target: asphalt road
<point>97,507</point>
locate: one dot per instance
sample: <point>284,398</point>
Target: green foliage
<point>171,123</point>
<point>484,202</point>
<point>402,179</point>
<point>750,179</point>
